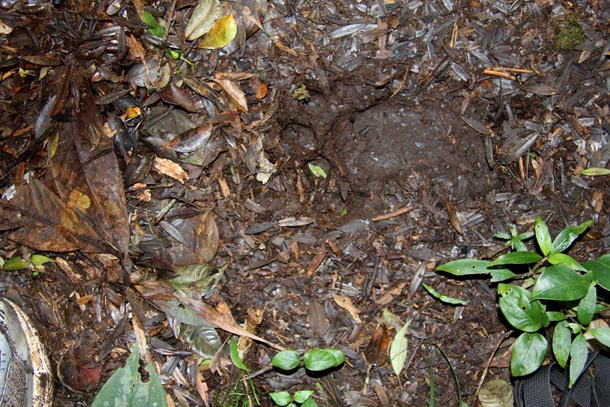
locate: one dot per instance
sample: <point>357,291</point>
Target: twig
<point>482,379</point>
<point>394,214</point>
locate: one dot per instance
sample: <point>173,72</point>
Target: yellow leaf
<point>222,33</point>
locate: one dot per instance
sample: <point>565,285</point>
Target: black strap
<point>536,391</point>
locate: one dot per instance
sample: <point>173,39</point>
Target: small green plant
<point>570,34</point>
<point>301,94</point>
<point>550,289</point>
<point>316,360</point>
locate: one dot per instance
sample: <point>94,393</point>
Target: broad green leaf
<point>318,360</point>
<point>601,334</point>
<point>498,275</point>
<point>519,309</point>
<point>221,34</point>
<point>562,340</point>
<point>317,171</point>
<point>310,402</point>
<point>398,349</point>
<point>280,398</point>
<point>125,387</point>
<point>587,305</point>
<point>595,171</point>
<point>39,260</point>
<point>543,237</point>
<point>203,18</point>
<point>578,358</point>
<point>302,395</point>
<point>442,297</point>
<point>562,258</point>
<point>528,354</point>
<point>234,353</point>
<point>600,270</point>
<point>566,237</point>
<point>605,259</point>
<point>555,316</point>
<point>465,267</point>
<point>155,28</point>
<point>560,283</point>
<point>286,360</point>
<point>339,355</point>
<point>516,258</point>
<point>15,264</point>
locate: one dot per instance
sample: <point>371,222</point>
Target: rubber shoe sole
<point>25,375</point>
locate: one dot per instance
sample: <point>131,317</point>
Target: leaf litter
<point>435,126</point>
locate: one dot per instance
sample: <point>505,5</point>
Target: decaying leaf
<point>221,34</point>
<point>347,304</point>
<point>204,16</point>
<point>201,234</point>
<point>235,93</point>
<point>171,169</point>
<point>222,321</point>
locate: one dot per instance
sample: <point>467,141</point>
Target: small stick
<point>394,214</point>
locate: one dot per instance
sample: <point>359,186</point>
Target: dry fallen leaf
<point>235,93</point>
<point>347,304</point>
<point>171,169</point>
<point>222,321</point>
<point>203,18</point>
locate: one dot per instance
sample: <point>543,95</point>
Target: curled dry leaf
<point>171,169</point>
<point>191,140</point>
<point>204,16</point>
<point>235,93</point>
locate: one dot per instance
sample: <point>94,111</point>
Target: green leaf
<point>578,358</point>
<point>302,395</point>
<point>519,309</point>
<point>587,305</point>
<point>600,270</point>
<point>310,402</point>
<point>286,360</point>
<point>562,258</point>
<point>605,259</point>
<point>543,237</point>
<point>601,334</point>
<point>498,275</point>
<point>595,171</point>
<point>39,260</point>
<point>442,297</point>
<point>234,353</point>
<point>15,264</point>
<point>566,237</point>
<point>318,360</point>
<point>280,398</point>
<point>560,283</point>
<point>125,387</point>
<point>555,316</point>
<point>562,340</point>
<point>155,28</point>
<point>516,258</point>
<point>317,171</point>
<point>465,267</point>
<point>398,349</point>
<point>528,354</point>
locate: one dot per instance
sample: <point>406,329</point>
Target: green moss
<point>570,34</point>
<point>301,94</point>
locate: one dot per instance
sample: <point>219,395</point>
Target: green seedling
<point>301,94</point>
<point>316,360</point>
<point>542,289</point>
